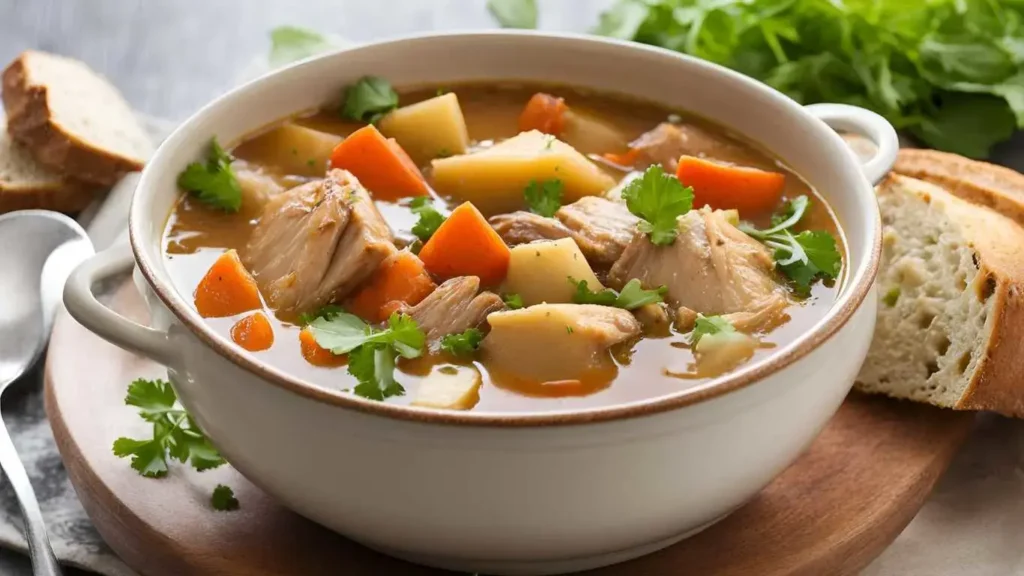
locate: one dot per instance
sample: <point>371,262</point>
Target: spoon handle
<point>44,563</point>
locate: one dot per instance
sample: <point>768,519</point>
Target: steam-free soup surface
<point>630,355</point>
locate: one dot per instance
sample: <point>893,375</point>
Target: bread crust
<point>30,122</point>
<point>981,183</point>
<point>66,196</point>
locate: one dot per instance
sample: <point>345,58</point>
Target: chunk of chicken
<point>667,142</point>
<point>454,307</point>
<point>549,342</point>
<point>524,227</point>
<point>711,268</point>
<point>316,242</point>
<point>602,228</point>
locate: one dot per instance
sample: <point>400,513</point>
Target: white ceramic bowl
<point>511,493</point>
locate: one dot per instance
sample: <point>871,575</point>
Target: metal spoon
<point>38,250</point>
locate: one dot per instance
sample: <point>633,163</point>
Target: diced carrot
<point>626,159</point>
<point>722,186</point>
<point>316,355</point>
<point>399,278</point>
<point>380,164</point>
<point>466,245</point>
<point>544,112</point>
<point>254,332</point>
<point>227,289</point>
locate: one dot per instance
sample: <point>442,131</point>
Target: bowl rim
<point>859,283</point>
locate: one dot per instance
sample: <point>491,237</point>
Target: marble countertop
<point>171,56</point>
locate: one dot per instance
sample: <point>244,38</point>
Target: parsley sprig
<point>369,100</point>
<point>658,199</point>
<point>631,297</point>
<point>708,326</point>
<point>430,218</point>
<point>804,257</point>
<point>463,343</point>
<point>513,301</point>
<point>372,352</point>
<point>213,182</point>
<point>544,198</point>
<point>223,499</point>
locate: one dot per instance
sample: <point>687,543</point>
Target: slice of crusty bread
<point>71,119</point>
<point>25,184</point>
<point>950,326</point>
<point>997,187</point>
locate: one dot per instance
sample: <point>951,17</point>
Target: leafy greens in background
<point>950,72</point>
<point>291,43</point>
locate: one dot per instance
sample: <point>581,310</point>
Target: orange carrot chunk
<point>626,159</point>
<point>227,289</point>
<point>722,186</point>
<point>544,112</point>
<point>466,245</point>
<point>316,355</point>
<point>399,278</point>
<point>380,164</point>
<point>254,332</point>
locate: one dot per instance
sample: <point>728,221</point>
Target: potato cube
<point>540,271</point>
<point>428,129</point>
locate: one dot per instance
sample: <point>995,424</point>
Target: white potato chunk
<point>293,149</point>
<point>449,387</point>
<point>718,353</point>
<point>493,179</point>
<point>540,271</point>
<point>591,135</point>
<point>428,129</point>
<point>549,342</point>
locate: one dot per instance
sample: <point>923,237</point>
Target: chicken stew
<point>498,247</point>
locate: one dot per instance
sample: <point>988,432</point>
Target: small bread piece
<point>997,187</point>
<point>25,184</point>
<point>71,119</point>
<point>950,327</point>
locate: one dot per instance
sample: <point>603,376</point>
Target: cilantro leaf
<point>658,200</point>
<point>430,219</point>
<point>805,257</point>
<point>631,297</point>
<point>213,182</point>
<point>514,13</point>
<point>327,312</point>
<point>373,366</point>
<point>544,198</point>
<point>291,43</point>
<point>223,499</point>
<point>513,301</point>
<point>404,335</point>
<point>340,333</point>
<point>174,432</point>
<point>708,325</point>
<point>787,217</point>
<point>462,344</point>
<point>368,100</point>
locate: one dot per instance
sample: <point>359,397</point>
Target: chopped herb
<point>311,162</point>
<point>568,329</point>
<point>223,499</point>
<point>369,99</point>
<point>464,344</point>
<point>891,296</point>
<point>549,141</point>
<point>631,297</point>
<point>430,219</point>
<point>442,91</point>
<point>291,43</point>
<point>416,246</point>
<point>513,301</point>
<point>175,433</point>
<point>658,199</point>
<point>327,312</point>
<point>708,325</point>
<point>544,198</point>
<point>514,13</point>
<point>443,153</point>
<point>213,182</point>
<point>790,214</point>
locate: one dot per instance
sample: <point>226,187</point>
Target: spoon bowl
<point>38,250</point>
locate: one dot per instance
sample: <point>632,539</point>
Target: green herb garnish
<point>514,13</point>
<point>430,219</point>
<point>175,433</point>
<point>891,296</point>
<point>513,301</point>
<point>658,200</point>
<point>544,198</point>
<point>223,499</point>
<point>213,182</point>
<point>462,344</point>
<point>707,326</point>
<point>631,297</point>
<point>291,43</point>
<point>327,312</point>
<point>369,99</point>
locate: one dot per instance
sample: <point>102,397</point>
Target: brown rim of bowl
<point>838,317</point>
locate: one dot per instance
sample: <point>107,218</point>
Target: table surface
<point>171,56</point>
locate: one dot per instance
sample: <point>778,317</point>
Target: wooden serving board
<point>831,512</point>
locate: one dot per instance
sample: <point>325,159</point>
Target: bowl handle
<point>83,306</point>
<point>864,123</point>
